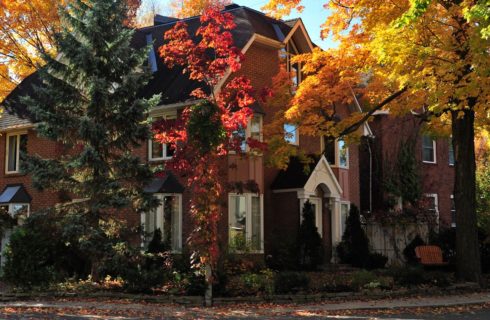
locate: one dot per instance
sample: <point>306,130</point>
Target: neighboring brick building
<point>262,219</point>
<point>434,156</point>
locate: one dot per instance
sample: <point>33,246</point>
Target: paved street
<point>471,307</point>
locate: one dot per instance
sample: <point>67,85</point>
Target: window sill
<point>429,162</point>
<point>14,174</point>
<point>159,159</point>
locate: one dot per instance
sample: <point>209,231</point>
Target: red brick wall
<point>436,178</point>
<point>35,146</point>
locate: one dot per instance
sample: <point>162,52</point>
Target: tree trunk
<point>467,249</point>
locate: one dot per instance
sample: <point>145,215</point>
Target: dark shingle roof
<point>172,84</point>
<point>295,176</point>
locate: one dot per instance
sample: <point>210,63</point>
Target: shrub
<point>376,261</point>
<point>354,247</point>
<point>362,278</point>
<point>291,282</point>
<point>284,255</point>
<point>37,254</point>
<point>409,251</point>
<point>309,240</point>
<point>408,276</point>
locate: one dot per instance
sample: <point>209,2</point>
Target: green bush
<point>309,240</point>
<point>38,256</point>
<point>376,261</point>
<point>409,251</point>
<point>362,278</point>
<point>291,282</point>
<point>408,276</point>
<point>354,247</point>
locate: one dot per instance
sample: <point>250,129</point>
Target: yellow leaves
<point>281,8</point>
<point>190,8</point>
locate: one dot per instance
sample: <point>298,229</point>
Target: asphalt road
<point>483,314</point>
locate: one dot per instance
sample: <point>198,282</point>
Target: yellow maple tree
<point>190,8</point>
<point>424,57</point>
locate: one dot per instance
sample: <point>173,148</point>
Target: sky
<point>313,16</point>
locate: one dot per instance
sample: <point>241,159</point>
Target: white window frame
<point>11,207</point>
<point>248,218</point>
<point>343,227</point>
<point>436,204</point>
<point>294,142</point>
<point>337,153</point>
<point>161,221</point>
<point>453,223</point>
<point>248,132</point>
<point>7,155</point>
<point>291,51</point>
<point>434,150</point>
<point>164,157</point>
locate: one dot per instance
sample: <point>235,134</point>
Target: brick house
<point>434,156</point>
<point>261,219</point>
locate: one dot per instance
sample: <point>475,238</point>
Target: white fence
<point>390,240</point>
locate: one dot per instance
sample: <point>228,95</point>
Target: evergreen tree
<point>88,102</point>
<point>309,240</point>
<point>354,247</point>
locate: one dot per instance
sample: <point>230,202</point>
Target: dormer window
<point>294,68</point>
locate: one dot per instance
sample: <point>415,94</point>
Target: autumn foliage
<point>27,30</point>
<point>204,134</point>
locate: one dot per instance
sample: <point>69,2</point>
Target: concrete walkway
<point>127,310</point>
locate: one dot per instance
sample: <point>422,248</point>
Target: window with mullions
<point>167,219</point>
<point>16,142</point>
<point>245,221</point>
<point>428,149</point>
<point>160,151</point>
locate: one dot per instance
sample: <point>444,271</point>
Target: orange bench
<point>430,256</point>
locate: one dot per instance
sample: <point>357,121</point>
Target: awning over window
<point>165,184</point>
<point>14,193</point>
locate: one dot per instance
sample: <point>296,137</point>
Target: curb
<point>195,301</point>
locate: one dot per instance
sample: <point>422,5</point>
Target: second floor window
<point>428,149</point>
<point>336,152</point>
<point>451,153</point>
<point>291,133</point>
<point>343,154</point>
<point>16,142</point>
<point>160,151</point>
<point>253,131</point>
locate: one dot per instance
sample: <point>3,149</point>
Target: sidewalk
<point>130,310</point>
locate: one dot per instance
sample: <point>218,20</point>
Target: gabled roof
<point>174,86</point>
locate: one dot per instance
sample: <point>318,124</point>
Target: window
<point>16,209</point>
<point>16,142</point>
<point>245,221</point>
<point>344,213</point>
<point>432,205</point>
<point>329,150</point>
<point>254,131</point>
<point>453,212</point>
<point>336,153</point>
<point>291,133</point>
<point>294,68</point>
<point>160,151</point>
<point>343,154</point>
<point>428,149</point>
<point>167,219</point>
<point>451,153</point>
